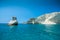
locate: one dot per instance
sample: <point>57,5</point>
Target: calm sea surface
<point>29,32</point>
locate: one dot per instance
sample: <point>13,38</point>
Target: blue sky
<point>26,9</point>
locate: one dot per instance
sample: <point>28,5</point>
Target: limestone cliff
<point>49,18</point>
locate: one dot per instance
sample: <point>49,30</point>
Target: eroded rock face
<point>50,18</point>
<point>13,21</point>
<point>31,21</point>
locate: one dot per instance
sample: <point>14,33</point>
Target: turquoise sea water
<point>30,32</point>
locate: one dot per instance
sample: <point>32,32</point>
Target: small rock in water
<point>13,21</point>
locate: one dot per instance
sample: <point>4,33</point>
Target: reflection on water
<point>12,28</point>
<point>29,32</point>
<point>53,31</point>
<point>48,28</point>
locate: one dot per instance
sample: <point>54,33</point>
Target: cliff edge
<point>49,18</point>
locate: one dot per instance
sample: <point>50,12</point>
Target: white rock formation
<point>13,21</point>
<point>50,18</point>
